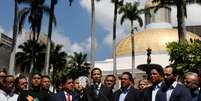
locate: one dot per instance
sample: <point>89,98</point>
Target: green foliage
<point>131,12</point>
<point>23,57</point>
<point>78,65</point>
<point>185,56</point>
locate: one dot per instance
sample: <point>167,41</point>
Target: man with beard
<point>21,84</point>
<point>97,91</point>
<point>191,81</point>
<point>6,94</point>
<point>174,90</point>
<point>127,92</point>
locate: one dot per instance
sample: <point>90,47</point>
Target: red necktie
<point>68,97</point>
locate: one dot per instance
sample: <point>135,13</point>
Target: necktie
<point>68,97</point>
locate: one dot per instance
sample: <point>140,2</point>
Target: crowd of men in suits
<point>162,85</point>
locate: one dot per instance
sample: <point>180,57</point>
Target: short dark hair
<point>36,74</point>
<point>45,76</point>
<point>174,71</point>
<point>96,69</point>
<point>159,69</point>
<point>130,77</point>
<point>65,78</point>
<point>21,76</point>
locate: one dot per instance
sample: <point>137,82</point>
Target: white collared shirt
<point>97,89</point>
<point>66,94</point>
<point>170,89</point>
<point>155,90</point>
<point>123,94</point>
<point>6,97</point>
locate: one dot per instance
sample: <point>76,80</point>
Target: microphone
<point>96,84</point>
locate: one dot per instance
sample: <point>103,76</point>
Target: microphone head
<point>96,84</point>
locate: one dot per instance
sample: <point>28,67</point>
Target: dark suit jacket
<point>105,94</point>
<point>133,95</point>
<point>147,93</point>
<point>180,93</point>
<point>60,96</point>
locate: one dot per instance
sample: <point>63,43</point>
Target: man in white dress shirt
<point>174,90</point>
<point>6,93</point>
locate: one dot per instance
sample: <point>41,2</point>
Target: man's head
<point>156,75</point>
<point>21,83</point>
<point>8,83</point>
<point>77,85</point>
<point>191,81</point>
<point>110,81</point>
<point>170,75</point>
<point>96,75</point>
<point>67,83</point>
<point>36,80</point>
<point>126,79</point>
<point>45,82</point>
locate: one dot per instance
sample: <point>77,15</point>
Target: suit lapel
<point>63,96</point>
<point>174,92</point>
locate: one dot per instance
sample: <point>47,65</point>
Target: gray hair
<point>191,74</point>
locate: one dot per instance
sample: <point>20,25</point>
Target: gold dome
<point>155,39</point>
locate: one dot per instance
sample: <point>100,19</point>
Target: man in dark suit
<point>191,81</point>
<point>174,91</point>
<point>153,93</point>
<point>97,91</point>
<point>67,94</point>
<point>127,92</point>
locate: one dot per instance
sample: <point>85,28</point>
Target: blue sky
<point>73,25</point>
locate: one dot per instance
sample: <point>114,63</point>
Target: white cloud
<point>69,45</point>
<point>1,30</point>
<point>193,15</point>
<point>104,16</point>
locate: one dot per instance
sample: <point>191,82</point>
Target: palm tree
<point>181,13</point>
<point>34,13</point>
<point>79,65</point>
<point>117,4</point>
<point>57,61</point>
<point>51,20</point>
<point>23,59</point>
<point>131,12</point>
<point>93,33</point>
<point>57,57</point>
<point>12,57</point>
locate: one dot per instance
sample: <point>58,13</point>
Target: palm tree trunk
<point>114,39</point>
<point>32,66</point>
<point>47,57</point>
<point>12,57</point>
<point>93,34</point>
<point>132,46</point>
<point>181,23</point>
